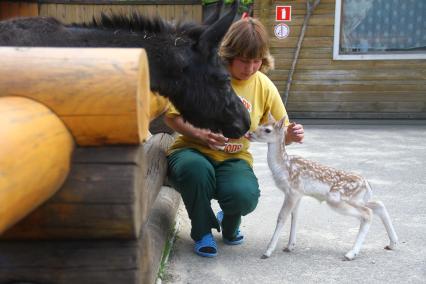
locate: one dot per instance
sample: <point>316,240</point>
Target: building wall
<point>327,88</point>
<point>75,11</point>
<point>10,9</point>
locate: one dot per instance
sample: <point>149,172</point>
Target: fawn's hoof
<point>289,248</point>
<point>264,256</point>
<point>350,256</point>
<point>391,246</point>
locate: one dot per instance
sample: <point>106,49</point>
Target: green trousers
<point>199,180</point>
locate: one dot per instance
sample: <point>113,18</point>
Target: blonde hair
<point>249,39</point>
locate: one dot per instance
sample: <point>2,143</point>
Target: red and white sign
<point>283,13</point>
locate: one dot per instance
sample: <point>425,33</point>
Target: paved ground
<point>392,157</point>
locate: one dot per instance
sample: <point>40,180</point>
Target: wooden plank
<point>12,9</point>
<point>352,96</point>
<point>79,13</point>
<point>62,13</point>
<point>99,9</point>
<point>153,171</point>
<point>117,9</point>
<point>96,91</point>
<point>356,115</point>
<point>295,2</point>
<point>299,8</point>
<point>108,155</point>
<point>197,13</point>
<point>3,10</point>
<point>358,106</point>
<point>355,86</point>
<point>72,13</point>
<point>162,11</point>
<point>353,75</point>
<point>316,20</point>
<point>43,10</point>
<point>312,31</point>
<point>280,54</point>
<point>66,13</point>
<point>3,7</point>
<point>171,16</point>
<point>87,256</point>
<point>157,229</point>
<point>179,13</point>
<point>329,64</point>
<point>35,154</point>
<point>109,193</point>
<point>97,201</point>
<point>22,6</point>
<point>321,42</point>
<point>35,9</point>
<point>87,13</point>
<point>88,262</point>
<point>186,12</point>
<point>51,10</point>
<point>149,10</point>
<point>125,2</point>
<point>99,184</point>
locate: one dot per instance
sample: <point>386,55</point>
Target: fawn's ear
<point>281,123</point>
<point>271,119</point>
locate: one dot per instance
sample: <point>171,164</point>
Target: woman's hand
<point>213,140</point>
<point>295,133</point>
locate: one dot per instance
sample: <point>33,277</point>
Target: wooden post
<point>101,94</point>
<point>35,152</point>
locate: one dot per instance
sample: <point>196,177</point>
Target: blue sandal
<point>206,247</point>
<point>238,239</point>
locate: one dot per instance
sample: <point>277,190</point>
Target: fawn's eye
<point>267,130</point>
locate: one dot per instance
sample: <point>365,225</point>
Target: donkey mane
<point>138,23</point>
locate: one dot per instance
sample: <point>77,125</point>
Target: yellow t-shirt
<point>260,96</point>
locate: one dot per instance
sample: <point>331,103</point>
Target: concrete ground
<point>392,156</point>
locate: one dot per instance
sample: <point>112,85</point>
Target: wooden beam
<point>35,153</point>
<point>102,94</point>
<point>109,194</point>
<point>93,261</point>
<point>122,2</point>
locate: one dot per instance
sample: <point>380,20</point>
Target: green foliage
<point>205,2</point>
<point>244,4</point>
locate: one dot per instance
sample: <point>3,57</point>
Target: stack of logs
<point>81,179</point>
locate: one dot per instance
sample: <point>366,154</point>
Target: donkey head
<point>205,81</point>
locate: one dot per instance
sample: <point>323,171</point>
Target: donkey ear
<point>210,38</point>
<point>215,15</point>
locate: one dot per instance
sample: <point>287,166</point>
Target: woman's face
<point>242,68</point>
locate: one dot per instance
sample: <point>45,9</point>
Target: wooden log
<point>93,261</point>
<point>108,194</point>
<point>35,152</point>
<point>101,94</point>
